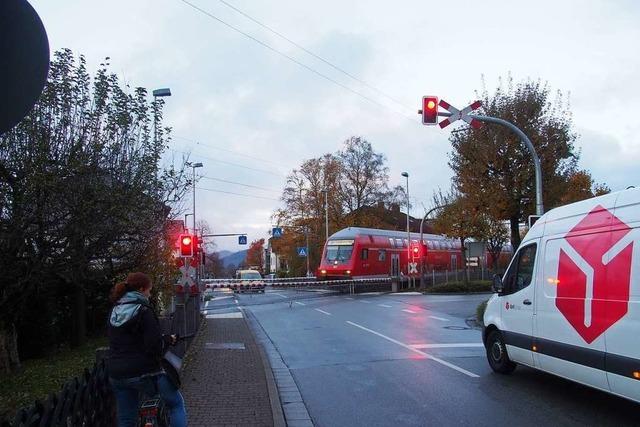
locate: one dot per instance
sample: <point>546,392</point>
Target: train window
<point>405,243</point>
<point>392,242</point>
<point>382,255</point>
<point>430,244</point>
<point>364,254</point>
<point>436,245</point>
<point>398,243</point>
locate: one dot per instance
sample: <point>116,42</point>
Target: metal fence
<point>84,401</point>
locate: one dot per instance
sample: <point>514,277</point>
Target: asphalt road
<point>412,360</point>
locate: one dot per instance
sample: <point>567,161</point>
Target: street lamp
<point>406,175</point>
<point>158,93</point>
<point>193,183</point>
<point>326,215</point>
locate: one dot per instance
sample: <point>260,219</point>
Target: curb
<point>274,396</point>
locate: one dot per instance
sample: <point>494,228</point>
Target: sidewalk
<point>224,381</point>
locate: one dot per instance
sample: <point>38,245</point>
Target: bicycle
<point>152,411</point>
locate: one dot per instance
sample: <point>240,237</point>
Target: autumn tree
<point>494,233</point>
<point>457,219</point>
<point>255,254</point>
<point>493,168</point>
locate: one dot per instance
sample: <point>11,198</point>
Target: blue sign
<point>242,240</point>
<point>276,232</point>
<point>302,252</point>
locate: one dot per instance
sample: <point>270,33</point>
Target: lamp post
<point>193,184</point>
<point>406,175</point>
<point>159,93</point>
<point>326,215</point>
<point>185,220</point>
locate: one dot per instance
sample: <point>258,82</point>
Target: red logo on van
<point>595,296</point>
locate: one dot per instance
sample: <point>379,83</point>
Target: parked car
<point>569,302</point>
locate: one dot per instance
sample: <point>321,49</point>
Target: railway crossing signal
<point>460,114</point>
<point>429,110</point>
<point>186,245</point>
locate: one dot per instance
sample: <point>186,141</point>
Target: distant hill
<point>223,254</point>
<point>235,258</point>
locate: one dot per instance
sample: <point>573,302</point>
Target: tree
<point>457,219</point>
<point>83,200</point>
<point>494,233</point>
<point>255,254</point>
<point>493,168</point>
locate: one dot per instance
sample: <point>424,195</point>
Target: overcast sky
<point>237,103</point>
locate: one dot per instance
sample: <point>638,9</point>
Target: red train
<point>367,252</point>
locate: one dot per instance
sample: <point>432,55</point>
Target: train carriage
<point>356,252</point>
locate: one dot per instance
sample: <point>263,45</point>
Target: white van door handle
<point>526,302</point>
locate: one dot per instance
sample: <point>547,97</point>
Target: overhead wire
<point>230,151</point>
<point>318,57</point>
<point>241,184</point>
<point>228,163</point>
<point>251,196</point>
<point>290,58</point>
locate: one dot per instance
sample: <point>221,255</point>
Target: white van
<point>569,303</point>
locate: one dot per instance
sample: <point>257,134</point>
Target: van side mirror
<point>497,284</point>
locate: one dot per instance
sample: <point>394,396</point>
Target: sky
<point>251,114</point>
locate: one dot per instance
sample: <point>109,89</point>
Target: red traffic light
<point>186,245</point>
<point>429,110</point>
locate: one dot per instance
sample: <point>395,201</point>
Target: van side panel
<point>623,338</point>
<point>561,350</point>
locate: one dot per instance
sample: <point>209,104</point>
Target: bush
<point>460,287</point>
<point>480,312</point>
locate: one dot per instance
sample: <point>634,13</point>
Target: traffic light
<point>418,250</point>
<point>186,245</point>
<point>429,110</point>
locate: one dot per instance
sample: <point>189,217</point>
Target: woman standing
<point>136,348</point>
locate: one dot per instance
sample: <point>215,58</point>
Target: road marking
<point>415,350</point>
<point>235,315</point>
<point>322,311</point>
<point>409,311</point>
<point>237,302</point>
<point>439,318</point>
<point>364,301</point>
<point>409,293</point>
<point>452,345</point>
<point>282,296</point>
<point>300,303</point>
<point>371,293</point>
<point>348,298</point>
<point>385,305</point>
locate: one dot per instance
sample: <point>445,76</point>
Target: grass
<point>40,377</point>
<point>460,287</point>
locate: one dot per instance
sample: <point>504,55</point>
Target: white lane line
<point>348,298</point>
<point>406,310</point>
<point>439,318</point>
<point>385,305</point>
<point>450,345</point>
<point>322,311</point>
<point>415,350</point>
<point>282,296</point>
<point>300,303</point>
<point>237,302</point>
<point>235,315</point>
<point>364,301</point>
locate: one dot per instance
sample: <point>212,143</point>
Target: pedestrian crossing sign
<point>302,252</point>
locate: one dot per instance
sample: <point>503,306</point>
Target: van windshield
<point>251,275</point>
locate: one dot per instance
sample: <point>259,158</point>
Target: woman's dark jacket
<point>135,341</point>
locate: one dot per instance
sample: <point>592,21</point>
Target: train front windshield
<point>339,251</point>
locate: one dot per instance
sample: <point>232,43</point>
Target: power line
<point>237,194</point>
<point>229,163</point>
<point>290,58</point>
<point>230,151</point>
<point>239,183</point>
<point>335,67</point>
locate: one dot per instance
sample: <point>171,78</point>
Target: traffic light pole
<point>527,143</point>
<point>424,218</point>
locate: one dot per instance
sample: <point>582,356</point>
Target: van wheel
<point>497,354</point>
